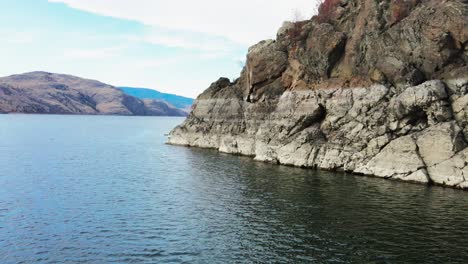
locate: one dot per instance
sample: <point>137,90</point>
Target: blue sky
<point>177,46</point>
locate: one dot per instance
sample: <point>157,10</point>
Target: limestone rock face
<point>451,172</point>
<point>399,157</point>
<point>446,138</point>
<point>364,89</point>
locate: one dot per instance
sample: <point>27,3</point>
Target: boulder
<point>440,142</point>
<point>399,157</point>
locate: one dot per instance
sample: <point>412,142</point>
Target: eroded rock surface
<point>364,90</point>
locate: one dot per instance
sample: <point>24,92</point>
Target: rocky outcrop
<point>49,93</point>
<point>370,87</point>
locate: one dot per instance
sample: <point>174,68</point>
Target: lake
<point>103,189</point>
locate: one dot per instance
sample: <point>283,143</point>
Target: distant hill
<point>144,93</point>
<point>51,93</point>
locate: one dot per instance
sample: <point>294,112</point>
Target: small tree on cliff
<point>297,15</point>
<point>297,19</point>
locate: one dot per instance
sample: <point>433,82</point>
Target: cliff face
<point>49,93</point>
<point>370,87</point>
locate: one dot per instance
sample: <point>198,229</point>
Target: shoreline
<point>415,134</point>
<point>428,185</point>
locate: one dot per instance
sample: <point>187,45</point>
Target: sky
<point>174,46</point>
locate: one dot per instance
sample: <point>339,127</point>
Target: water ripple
<point>109,191</point>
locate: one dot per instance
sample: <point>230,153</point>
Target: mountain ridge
<point>177,101</point>
<point>51,93</point>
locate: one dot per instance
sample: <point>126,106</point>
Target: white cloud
<point>243,21</point>
<point>155,63</point>
<point>18,37</point>
<point>187,40</point>
<point>102,53</point>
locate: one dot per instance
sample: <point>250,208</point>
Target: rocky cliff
<point>370,87</point>
<point>49,93</point>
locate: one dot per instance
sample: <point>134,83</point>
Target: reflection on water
<point>107,189</point>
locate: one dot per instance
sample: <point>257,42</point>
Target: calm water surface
<point>89,189</point>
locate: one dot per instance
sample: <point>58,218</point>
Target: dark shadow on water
<point>307,214</point>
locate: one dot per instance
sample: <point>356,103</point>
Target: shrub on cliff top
<point>298,21</point>
<point>294,33</point>
<point>326,10</point>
